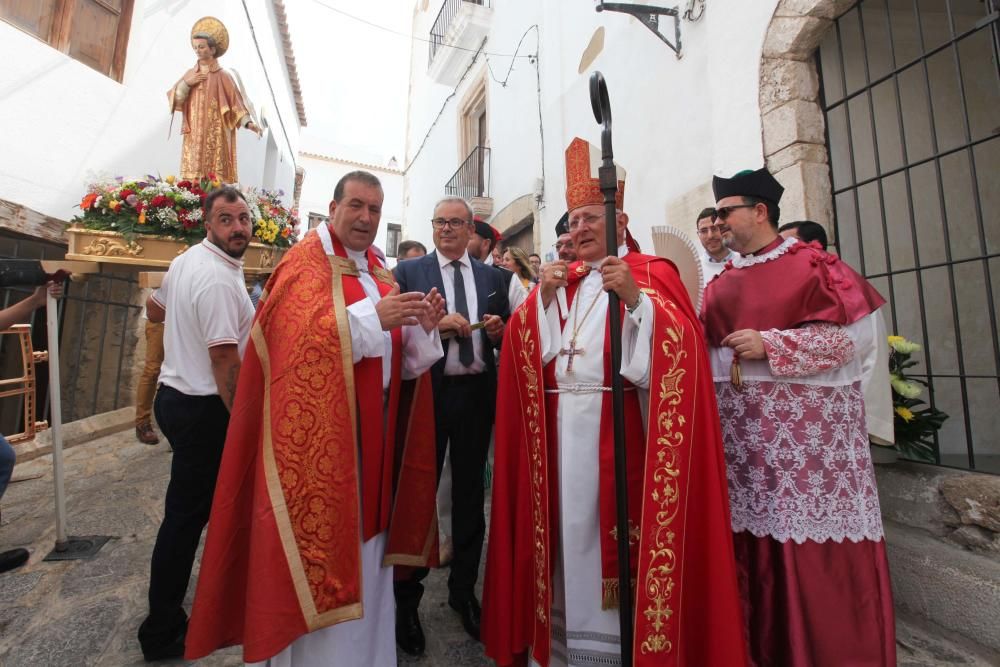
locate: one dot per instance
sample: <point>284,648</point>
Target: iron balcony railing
<point>449,10</point>
<point>472,178</point>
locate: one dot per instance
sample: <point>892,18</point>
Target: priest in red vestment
<point>328,476</point>
<point>551,589</point>
<point>793,334</point>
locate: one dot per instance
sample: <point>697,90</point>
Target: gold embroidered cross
<point>659,613</point>
<point>633,533</point>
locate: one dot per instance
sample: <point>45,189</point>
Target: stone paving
<point>85,612</point>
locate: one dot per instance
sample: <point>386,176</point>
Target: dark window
<point>316,219</point>
<point>95,32</point>
<point>911,95</point>
<point>393,235</point>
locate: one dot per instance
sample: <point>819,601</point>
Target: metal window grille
<point>445,17</point>
<point>910,91</point>
<point>472,178</point>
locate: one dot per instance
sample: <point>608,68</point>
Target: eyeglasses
<point>454,223</point>
<point>723,212</point>
<point>584,219</point>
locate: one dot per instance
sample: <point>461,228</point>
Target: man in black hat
<point>793,333</point>
<point>481,246</point>
<point>564,242</point>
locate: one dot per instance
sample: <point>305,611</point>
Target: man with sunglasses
<point>551,588</point>
<point>793,335</point>
<point>464,389</point>
<point>716,253</point>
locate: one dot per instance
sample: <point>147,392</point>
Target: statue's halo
<point>212,27</point>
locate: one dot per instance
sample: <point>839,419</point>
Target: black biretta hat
<point>562,227</point>
<point>760,184</point>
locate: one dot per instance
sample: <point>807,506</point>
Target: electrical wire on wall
<point>274,98</point>
<point>533,59</point>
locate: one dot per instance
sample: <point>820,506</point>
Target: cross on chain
<point>572,353</point>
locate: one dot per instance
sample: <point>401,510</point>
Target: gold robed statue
<point>213,105</point>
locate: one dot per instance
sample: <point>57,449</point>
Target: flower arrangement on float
<point>171,207</point>
<point>149,221</point>
<point>915,426</point>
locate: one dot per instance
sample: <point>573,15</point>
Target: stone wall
<point>943,539</point>
<point>794,136</point>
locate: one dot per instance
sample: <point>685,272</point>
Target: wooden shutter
<point>95,32</point>
<point>34,16</point>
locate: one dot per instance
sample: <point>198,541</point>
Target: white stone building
<point>324,171</point>
<point>85,94</point>
<point>880,117</point>
<point>84,88</point>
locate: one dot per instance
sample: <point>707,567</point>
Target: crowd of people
<point>321,435</point>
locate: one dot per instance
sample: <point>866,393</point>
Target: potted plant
<point>915,422</point>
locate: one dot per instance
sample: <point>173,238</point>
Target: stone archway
<point>794,136</point>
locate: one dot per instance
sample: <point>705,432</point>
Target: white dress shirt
<point>452,366</point>
<point>420,348</point>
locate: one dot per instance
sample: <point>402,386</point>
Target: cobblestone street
<point>85,612</point>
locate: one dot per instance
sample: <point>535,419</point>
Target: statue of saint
<point>213,105</point>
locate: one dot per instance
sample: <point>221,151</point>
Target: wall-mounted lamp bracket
<point>650,17</point>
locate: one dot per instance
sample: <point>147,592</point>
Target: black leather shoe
<point>409,634</point>
<point>162,645</point>
<point>469,612</point>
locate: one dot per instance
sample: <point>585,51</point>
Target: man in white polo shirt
<point>208,318</point>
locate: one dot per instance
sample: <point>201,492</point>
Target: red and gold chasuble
<point>283,552</point>
<point>687,608</point>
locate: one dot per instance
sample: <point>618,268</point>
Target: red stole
<point>805,284</point>
<point>282,555</point>
<point>687,608</point>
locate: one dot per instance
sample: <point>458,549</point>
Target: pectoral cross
<point>571,352</point>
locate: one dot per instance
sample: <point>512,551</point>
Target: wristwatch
<point>638,302</point>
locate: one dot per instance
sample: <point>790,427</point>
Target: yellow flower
<point>142,217</point>
<point>903,346</point>
<point>905,413</point>
<point>216,183</point>
<point>170,179</point>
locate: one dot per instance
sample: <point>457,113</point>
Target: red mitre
<point>582,185</point>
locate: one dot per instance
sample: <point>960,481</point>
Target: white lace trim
<point>743,262</point>
<point>798,463</point>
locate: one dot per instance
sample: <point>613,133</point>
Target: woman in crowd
<point>516,260</point>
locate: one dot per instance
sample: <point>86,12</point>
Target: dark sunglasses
<point>723,212</point>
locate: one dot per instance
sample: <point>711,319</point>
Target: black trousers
<point>196,428</point>
<point>464,407</point>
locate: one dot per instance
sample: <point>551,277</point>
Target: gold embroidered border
<point>313,619</point>
<point>531,424</point>
<point>670,429</point>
